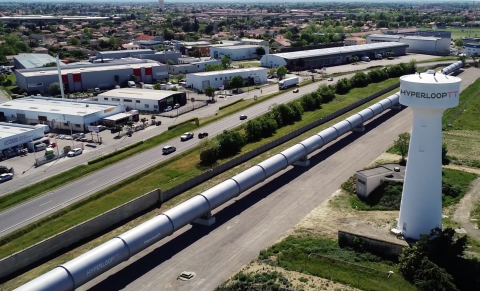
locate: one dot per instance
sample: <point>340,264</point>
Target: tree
<point>459,42</point>
<point>445,159</point>
<point>51,64</point>
<point>236,82</point>
<point>431,277</point>
<point>253,130</point>
<point>359,80</point>
<point>54,89</point>
<point>210,91</point>
<point>355,59</point>
<point>157,86</point>
<point>390,55</point>
<point>226,62</point>
<point>260,51</point>
<point>474,59</point>
<point>209,151</point>
<point>195,53</point>
<point>325,94</point>
<point>213,67</point>
<point>401,145</point>
<point>170,62</point>
<point>281,72</point>
<point>343,86</point>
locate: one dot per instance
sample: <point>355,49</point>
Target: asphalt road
<point>34,209</point>
<point>257,218</point>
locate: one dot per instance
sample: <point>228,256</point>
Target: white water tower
<point>429,95</point>
<point>161,4</point>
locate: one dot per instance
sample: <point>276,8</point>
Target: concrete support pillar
<point>397,106</point>
<point>303,162</point>
<point>359,128</point>
<point>206,220</point>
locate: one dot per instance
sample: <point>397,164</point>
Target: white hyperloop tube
<point>80,270</point>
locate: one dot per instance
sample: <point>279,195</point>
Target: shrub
<point>297,110</point>
<point>327,93</point>
<point>284,115</point>
<point>308,103</point>
<point>230,104</point>
<point>269,125</point>
<point>253,130</point>
<point>359,80</point>
<point>377,76</point>
<point>342,87</point>
<point>209,151</point>
<point>231,142</point>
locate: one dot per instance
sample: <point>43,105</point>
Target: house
<point>40,50</point>
<point>355,41</point>
<point>130,46</point>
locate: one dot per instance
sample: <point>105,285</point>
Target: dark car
<point>202,134</point>
<point>243,117</point>
<point>158,122</point>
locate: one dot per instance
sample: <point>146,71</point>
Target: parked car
<point>176,106</point>
<point>243,117</point>
<point>202,134</point>
<point>159,122</point>
<point>186,136</point>
<point>169,108</point>
<point>168,149</point>
<point>296,90</point>
<point>75,152</point>
<point>330,79</point>
<point>78,135</point>
<point>5,177</point>
<point>101,127</point>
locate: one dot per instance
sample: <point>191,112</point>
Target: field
<point>156,176</point>
<point>463,32</point>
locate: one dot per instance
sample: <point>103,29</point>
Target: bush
<point>327,93</point>
<point>183,122</point>
<point>297,110</point>
<point>308,103</point>
<point>114,153</point>
<point>209,151</point>
<point>253,130</point>
<point>377,75</point>
<point>359,80</point>
<point>284,115</point>
<point>269,125</point>
<point>343,86</point>
<point>230,142</point>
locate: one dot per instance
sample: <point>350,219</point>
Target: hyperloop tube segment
<point>274,165</point>
<point>328,135</point>
<point>366,114</point>
<point>377,108</point>
<point>221,193</point>
<point>342,127</point>
<point>250,178</point>
<point>312,143</point>
<point>355,120</point>
<point>188,211</point>
<point>57,279</point>
<point>294,153</point>
<point>386,103</point>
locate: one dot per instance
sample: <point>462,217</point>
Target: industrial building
<point>200,81</point>
<point>123,54</point>
<point>15,137</point>
<point>330,56</point>
<point>424,33</point>
<point>82,78</point>
<point>472,48</point>
<point>370,179</point>
<point>416,44</point>
<point>57,113</point>
<point>31,61</point>
<point>143,99</point>
<point>191,65</point>
<point>255,41</point>
<point>237,52</point>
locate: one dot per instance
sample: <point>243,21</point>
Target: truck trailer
<point>287,83</point>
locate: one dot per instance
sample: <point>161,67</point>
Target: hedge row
<point>114,153</point>
<point>183,122</point>
<point>230,104</point>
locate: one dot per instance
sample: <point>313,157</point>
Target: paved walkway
<point>3,96</point>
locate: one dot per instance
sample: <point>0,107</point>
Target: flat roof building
<point>191,65</point>
<point>416,44</point>
<point>237,52</point>
<point>98,75</point>
<point>13,135</point>
<point>143,99</point>
<point>31,61</point>
<point>56,112</point>
<point>200,81</point>
<point>320,58</point>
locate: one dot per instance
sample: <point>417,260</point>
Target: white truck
<point>378,56</point>
<point>131,84</point>
<point>287,83</point>
<point>365,59</point>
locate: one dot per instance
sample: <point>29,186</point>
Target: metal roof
<point>213,73</point>
<point>126,52</point>
<point>135,93</point>
<point>30,61</point>
<point>11,129</point>
<point>340,50</point>
<point>237,47</point>
<point>55,105</point>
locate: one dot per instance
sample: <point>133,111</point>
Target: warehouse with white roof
<point>200,81</point>
<point>237,52</point>
<point>15,137</point>
<point>57,113</point>
<point>143,99</point>
<point>335,56</point>
<point>416,44</point>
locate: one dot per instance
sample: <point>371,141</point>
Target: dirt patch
<point>298,280</point>
<point>465,207</point>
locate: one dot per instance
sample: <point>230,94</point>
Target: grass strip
<point>465,115</point>
<point>230,104</point>
<point>114,153</point>
<point>56,181</point>
<point>193,119</point>
<point>166,176</point>
<point>35,272</point>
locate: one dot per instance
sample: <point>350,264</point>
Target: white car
<point>75,152</point>
<point>6,177</point>
<point>168,149</point>
<point>330,79</point>
<point>176,106</point>
<point>186,136</point>
<point>169,108</point>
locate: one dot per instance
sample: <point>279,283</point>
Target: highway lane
<point>257,218</point>
<point>34,209</point>
<point>47,203</point>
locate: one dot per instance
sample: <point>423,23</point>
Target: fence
<point>94,226</point>
<point>49,158</point>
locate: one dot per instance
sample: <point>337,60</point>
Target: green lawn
<point>466,116</point>
<point>463,32</point>
<point>164,176</point>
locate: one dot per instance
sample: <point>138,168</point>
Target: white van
<point>131,84</point>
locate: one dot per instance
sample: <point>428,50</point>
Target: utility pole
<point>60,81</point>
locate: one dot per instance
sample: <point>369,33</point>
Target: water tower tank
<point>428,95</point>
